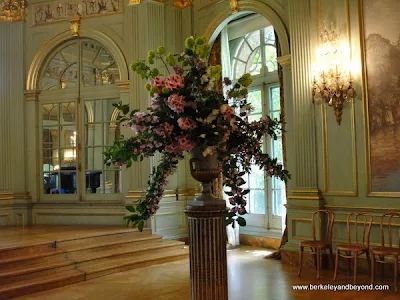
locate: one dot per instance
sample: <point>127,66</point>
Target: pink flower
<point>158,81</point>
<point>186,143</point>
<point>138,128</point>
<point>227,111</point>
<point>186,123</point>
<point>174,82</point>
<point>173,148</point>
<point>176,103</point>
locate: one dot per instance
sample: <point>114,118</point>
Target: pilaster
<point>12,146</point>
<point>304,196</point>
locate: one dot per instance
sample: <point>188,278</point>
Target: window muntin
<point>254,53</point>
<point>98,67</point>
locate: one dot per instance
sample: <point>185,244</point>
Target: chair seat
<point>386,251</point>
<point>352,248</point>
<point>314,244</point>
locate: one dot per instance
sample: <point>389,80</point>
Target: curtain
<point>284,238</point>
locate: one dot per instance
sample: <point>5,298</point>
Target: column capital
<point>284,61</point>
<point>12,11</point>
<point>31,95</point>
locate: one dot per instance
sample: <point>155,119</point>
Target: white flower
<point>208,151</point>
<point>203,136</point>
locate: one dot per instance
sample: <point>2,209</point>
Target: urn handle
<point>192,164</point>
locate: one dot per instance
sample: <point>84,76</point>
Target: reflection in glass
<point>59,141</point>
<point>100,131</point>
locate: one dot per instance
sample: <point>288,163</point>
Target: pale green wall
<point>327,161</point>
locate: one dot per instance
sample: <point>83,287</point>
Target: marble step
<point>98,268</point>
<point>41,266</point>
<point>30,253</point>
<point>40,283</point>
<point>94,268</point>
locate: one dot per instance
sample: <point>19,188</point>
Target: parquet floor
<point>251,277</point>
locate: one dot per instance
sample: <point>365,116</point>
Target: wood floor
<point>251,277</point>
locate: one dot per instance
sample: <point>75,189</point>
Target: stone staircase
<point>32,268</point>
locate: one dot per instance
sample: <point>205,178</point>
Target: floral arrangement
<point>186,112</point>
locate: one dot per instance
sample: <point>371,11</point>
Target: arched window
<point>78,122</point>
<point>249,43</point>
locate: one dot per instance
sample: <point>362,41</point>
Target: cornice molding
<point>12,10</point>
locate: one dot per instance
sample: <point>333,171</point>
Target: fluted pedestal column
<point>207,233</point>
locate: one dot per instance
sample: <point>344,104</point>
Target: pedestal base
<point>208,265</point>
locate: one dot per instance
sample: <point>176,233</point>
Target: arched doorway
<point>77,80</point>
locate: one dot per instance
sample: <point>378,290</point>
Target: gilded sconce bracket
<point>182,3</point>
<point>12,10</point>
<point>234,6</point>
<point>75,25</point>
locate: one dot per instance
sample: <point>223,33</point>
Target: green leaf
<point>130,208</point>
<point>129,164</point>
<point>141,225</point>
<point>241,221</point>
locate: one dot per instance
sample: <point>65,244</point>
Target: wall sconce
<point>332,83</point>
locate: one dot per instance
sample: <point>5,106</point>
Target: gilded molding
<point>31,95</point>
<point>14,195</point>
<point>182,3</point>
<point>12,10</point>
<point>234,6</point>
<point>64,10</point>
<point>135,2</point>
<point>123,85</point>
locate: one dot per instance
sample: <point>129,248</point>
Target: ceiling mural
<point>63,10</point>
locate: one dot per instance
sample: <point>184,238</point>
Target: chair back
<point>326,220</point>
<point>386,221</point>
<point>355,220</point>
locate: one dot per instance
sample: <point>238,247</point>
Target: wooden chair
<point>324,241</point>
<point>386,249</point>
<point>353,249</point>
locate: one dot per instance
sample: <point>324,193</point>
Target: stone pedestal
<point>208,265</point>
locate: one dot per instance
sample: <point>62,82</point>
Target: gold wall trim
<point>341,193</point>
<point>123,85</point>
<point>304,198</point>
<point>12,11</point>
<point>363,207</point>
<point>14,195</point>
<point>31,95</point>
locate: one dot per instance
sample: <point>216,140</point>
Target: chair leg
<point>331,255</point>
<point>355,267</point>
<point>318,261</point>
<point>372,268</point>
<point>368,260</point>
<point>314,251</point>
<point>349,261</point>
<point>382,258</point>
<point>300,260</point>
<point>336,264</point>
<point>396,262</point>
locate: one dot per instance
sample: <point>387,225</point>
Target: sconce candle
<point>332,83</point>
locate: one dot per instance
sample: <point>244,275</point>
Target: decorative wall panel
<point>54,11</point>
<point>381,36</point>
